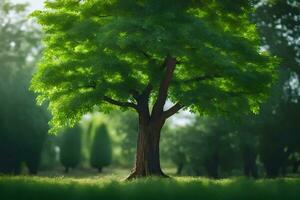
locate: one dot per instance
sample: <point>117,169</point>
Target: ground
<point>115,188</point>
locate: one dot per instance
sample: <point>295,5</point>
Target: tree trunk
<point>250,168</point>
<point>272,170</point>
<point>179,169</point>
<point>150,123</point>
<point>33,171</point>
<point>212,165</point>
<point>147,161</point>
<point>295,166</point>
<point>99,169</point>
<point>66,170</point>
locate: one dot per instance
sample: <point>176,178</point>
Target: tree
<point>279,24</point>
<point>279,137</point>
<point>23,125</point>
<point>208,146</point>
<point>50,153</point>
<point>174,147</point>
<point>247,135</point>
<point>201,55</point>
<point>101,152</point>
<point>126,128</point>
<point>70,149</point>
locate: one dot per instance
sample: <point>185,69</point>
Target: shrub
<point>101,152</point>
<point>70,149</point>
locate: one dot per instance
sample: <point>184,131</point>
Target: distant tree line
<point>23,125</point>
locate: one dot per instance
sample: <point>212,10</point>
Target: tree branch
<point>135,94</point>
<point>201,78</point>
<point>148,56</point>
<point>119,103</point>
<point>174,109</point>
<point>143,101</point>
<point>147,90</point>
<point>110,100</point>
<point>170,64</point>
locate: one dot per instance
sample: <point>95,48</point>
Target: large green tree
<point>204,56</point>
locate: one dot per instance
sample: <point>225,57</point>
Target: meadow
<point>115,188</point>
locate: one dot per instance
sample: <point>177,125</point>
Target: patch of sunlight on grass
<point>178,188</point>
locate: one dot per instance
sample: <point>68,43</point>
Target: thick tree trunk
<point>147,161</point>
<point>150,123</point>
<point>99,169</point>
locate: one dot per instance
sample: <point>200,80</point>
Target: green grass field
<point>113,188</point>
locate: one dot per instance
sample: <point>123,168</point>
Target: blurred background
<point>264,145</point>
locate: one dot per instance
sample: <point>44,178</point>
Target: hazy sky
<point>34,4</point>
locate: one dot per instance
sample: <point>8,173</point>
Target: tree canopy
<point>279,24</point>
<point>202,55</point>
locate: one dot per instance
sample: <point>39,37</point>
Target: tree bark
<point>99,169</point>
<point>147,161</point>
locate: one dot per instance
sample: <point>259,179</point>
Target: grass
<point>41,188</point>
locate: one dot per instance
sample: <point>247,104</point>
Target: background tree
<point>248,145</point>
<point>23,125</point>
<point>70,149</point>
<point>50,153</point>
<point>126,127</point>
<point>101,152</point>
<point>207,147</point>
<point>173,147</point>
<point>137,54</point>
<point>279,24</point>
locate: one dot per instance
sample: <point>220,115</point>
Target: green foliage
<point>101,151</point>
<point>207,147</point>
<point>70,149</point>
<point>49,155</point>
<point>96,50</point>
<point>23,125</point>
<point>126,127</point>
<point>279,24</point>
<point>35,188</point>
<point>279,136</point>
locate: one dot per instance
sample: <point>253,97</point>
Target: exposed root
<point>134,175</point>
